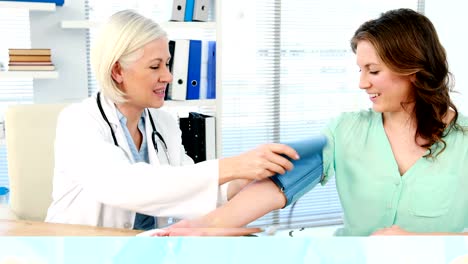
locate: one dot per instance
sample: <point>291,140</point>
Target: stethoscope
<point>153,135</point>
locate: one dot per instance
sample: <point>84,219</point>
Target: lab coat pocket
<point>432,199</point>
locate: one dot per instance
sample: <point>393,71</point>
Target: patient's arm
<point>254,201</point>
<point>236,186</point>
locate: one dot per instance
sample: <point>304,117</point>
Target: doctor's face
<point>144,81</point>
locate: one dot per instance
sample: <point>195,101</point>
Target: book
<point>29,52</point>
<point>56,2</point>
<point>32,58</point>
<point>31,68</point>
<point>29,63</point>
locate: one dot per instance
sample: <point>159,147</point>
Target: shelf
<point>79,24</point>
<point>32,6</point>
<point>202,102</point>
<point>188,25</point>
<point>29,74</point>
<point>83,24</point>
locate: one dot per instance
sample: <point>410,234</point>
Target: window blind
<point>287,70</point>
<point>14,27</point>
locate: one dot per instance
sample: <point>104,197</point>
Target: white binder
<point>178,10</point>
<point>200,10</point>
<point>210,137</point>
<point>178,89</point>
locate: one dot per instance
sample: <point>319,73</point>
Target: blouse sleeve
<point>329,150</point>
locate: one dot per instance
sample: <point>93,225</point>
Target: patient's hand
<point>392,231</point>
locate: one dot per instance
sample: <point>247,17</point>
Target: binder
<point>178,10</point>
<point>178,89</point>
<point>198,136</point>
<point>189,4</point>
<point>171,62</point>
<point>200,10</point>
<point>211,71</point>
<point>204,70</point>
<point>194,64</point>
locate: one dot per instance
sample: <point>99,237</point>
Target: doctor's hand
<point>205,231</point>
<point>262,162</point>
<point>197,227</point>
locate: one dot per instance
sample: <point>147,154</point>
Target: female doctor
<point>119,161</point>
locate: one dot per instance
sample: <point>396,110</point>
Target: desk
<point>6,213</point>
<point>31,228</point>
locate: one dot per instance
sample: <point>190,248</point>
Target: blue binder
<point>194,63</point>
<point>189,5</point>
<point>211,72</point>
<point>56,2</point>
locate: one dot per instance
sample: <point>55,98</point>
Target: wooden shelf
<point>32,6</point>
<point>201,102</point>
<point>83,24</point>
<point>29,74</point>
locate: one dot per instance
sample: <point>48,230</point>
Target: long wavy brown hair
<point>407,42</point>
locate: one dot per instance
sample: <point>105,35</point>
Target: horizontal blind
<point>287,70</point>
<point>14,29</point>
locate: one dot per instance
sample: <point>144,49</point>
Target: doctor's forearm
<point>226,172</point>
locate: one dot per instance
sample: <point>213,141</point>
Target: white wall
<point>68,53</point>
<point>450,20</point>
<point>69,49</point>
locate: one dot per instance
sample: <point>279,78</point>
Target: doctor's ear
<point>117,73</point>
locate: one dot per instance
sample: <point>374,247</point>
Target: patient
<point>401,167</point>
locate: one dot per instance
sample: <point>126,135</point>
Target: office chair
<point>30,136</point>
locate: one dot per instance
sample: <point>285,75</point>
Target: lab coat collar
<point>111,112</point>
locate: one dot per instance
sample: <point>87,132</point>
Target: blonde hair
<point>121,40</point>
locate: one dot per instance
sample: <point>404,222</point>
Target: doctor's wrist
<point>226,170</point>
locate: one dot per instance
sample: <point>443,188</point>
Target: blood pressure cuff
<point>307,171</point>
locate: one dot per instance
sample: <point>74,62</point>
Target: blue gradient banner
<point>233,250</point>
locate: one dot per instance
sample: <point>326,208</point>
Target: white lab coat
<point>97,183</point>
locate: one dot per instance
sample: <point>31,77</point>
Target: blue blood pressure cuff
<point>307,171</point>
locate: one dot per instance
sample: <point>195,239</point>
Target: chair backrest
<point>30,136</point>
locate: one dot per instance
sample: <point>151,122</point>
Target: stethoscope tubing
<point>153,135</point>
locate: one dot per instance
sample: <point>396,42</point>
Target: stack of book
<point>56,2</point>
<point>30,60</point>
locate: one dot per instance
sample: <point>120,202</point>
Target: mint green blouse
<point>432,196</point>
